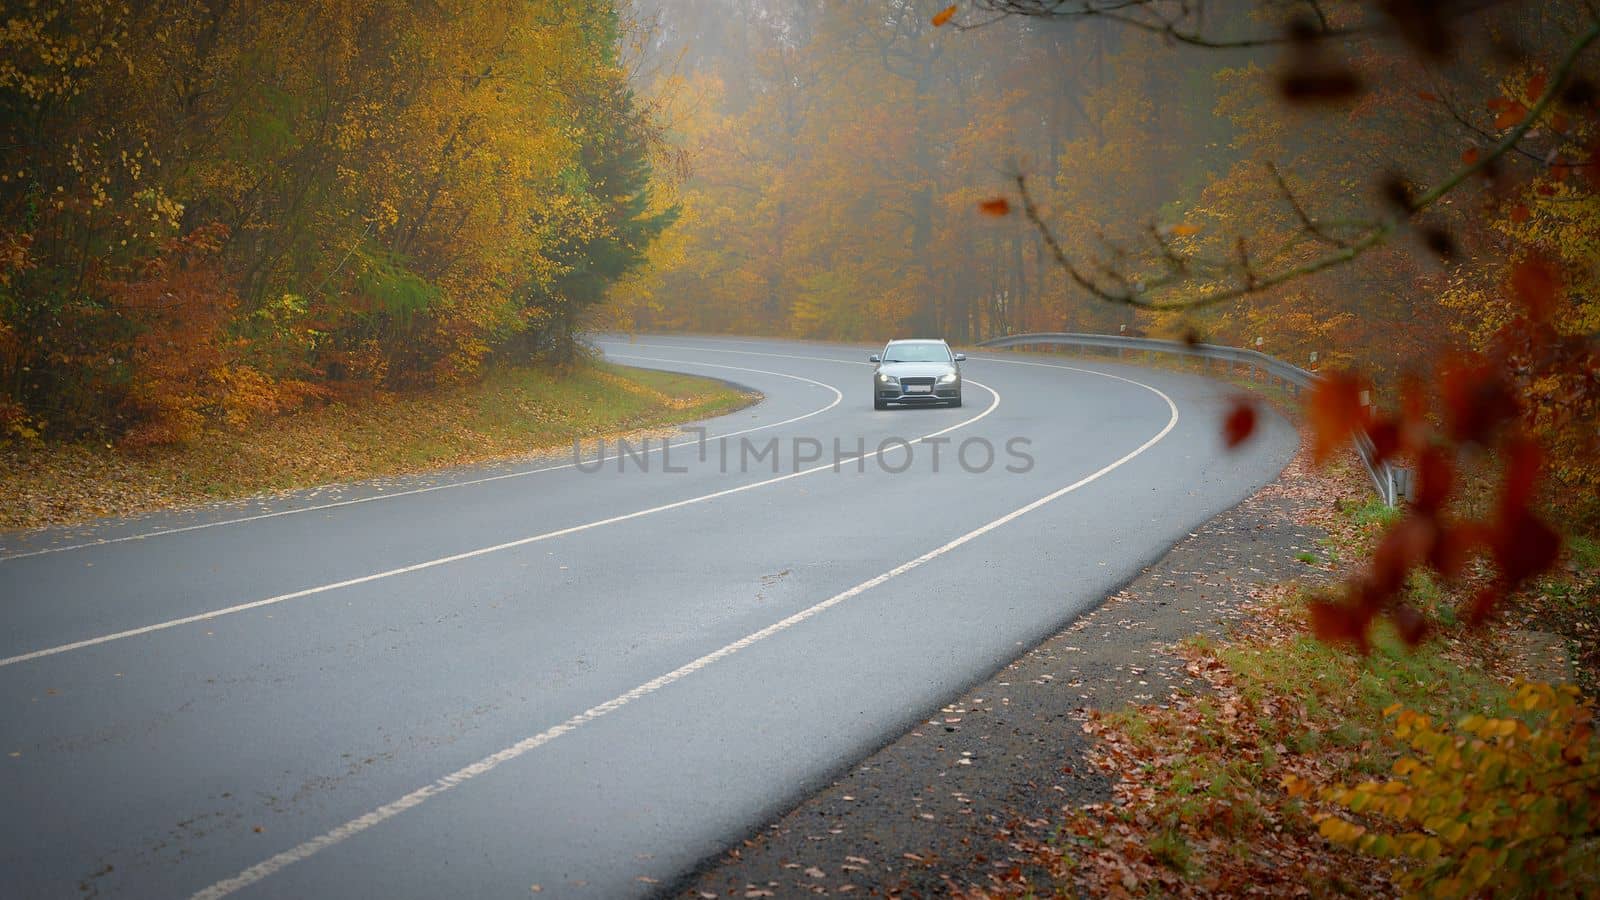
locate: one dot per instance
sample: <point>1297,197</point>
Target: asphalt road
<point>589,681</point>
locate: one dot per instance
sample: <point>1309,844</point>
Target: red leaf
<point>1536,283</point>
<point>1429,96</point>
<point>943,16</point>
<point>1240,422</point>
<point>1524,546</point>
<point>1520,214</point>
<point>1482,604</point>
<point>1337,623</point>
<point>1536,86</point>
<point>1413,627</point>
<point>1435,480</point>
<point>997,206</point>
<point>1523,462</point>
<point>1385,436</point>
<point>1511,114</point>
<point>1414,413</point>
<point>1477,399</point>
<point>1406,545</point>
<point>1334,411</point>
<point>1454,547</point>
<point>1470,156</point>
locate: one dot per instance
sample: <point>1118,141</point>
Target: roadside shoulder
<point>952,804</point>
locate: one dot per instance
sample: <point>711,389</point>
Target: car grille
<point>907,382</point>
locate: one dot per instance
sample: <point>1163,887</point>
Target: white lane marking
<point>483,551</point>
<point>837,398</point>
<point>350,829</point>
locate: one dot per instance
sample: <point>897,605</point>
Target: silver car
<point>916,371</point>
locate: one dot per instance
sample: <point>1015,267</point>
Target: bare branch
<point>1183,21</point>
<point>1180,22</point>
<point>1306,222</point>
<point>1130,292</point>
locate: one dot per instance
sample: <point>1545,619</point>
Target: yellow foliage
<point>1504,806</point>
<point>419,177</point>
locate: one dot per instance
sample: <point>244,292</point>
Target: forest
<point>215,213</point>
<point>414,227</point>
<point>842,155</point>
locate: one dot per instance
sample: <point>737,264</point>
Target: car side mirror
<point>874,358</point>
<point>961,357</point>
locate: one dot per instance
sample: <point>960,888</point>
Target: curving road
<point>589,681</point>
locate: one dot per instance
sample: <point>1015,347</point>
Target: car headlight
<point>952,378</point>
<point>887,379</point>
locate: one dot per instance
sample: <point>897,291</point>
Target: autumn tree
<point>387,194</point>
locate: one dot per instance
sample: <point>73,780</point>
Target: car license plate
<point>919,388</point>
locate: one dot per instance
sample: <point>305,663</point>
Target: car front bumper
<point>907,393</point>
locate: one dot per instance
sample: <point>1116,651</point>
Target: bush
<point>1496,807</point>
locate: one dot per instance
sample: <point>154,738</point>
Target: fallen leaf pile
<point>510,416</point>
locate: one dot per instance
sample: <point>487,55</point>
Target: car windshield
<point>916,353</point>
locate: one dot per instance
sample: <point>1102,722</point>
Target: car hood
<point>916,369</point>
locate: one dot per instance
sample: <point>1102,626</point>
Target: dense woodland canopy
<point>214,211</point>
<point>841,152</point>
<point>218,211</point>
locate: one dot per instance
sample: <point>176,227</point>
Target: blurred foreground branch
<point>1132,289</point>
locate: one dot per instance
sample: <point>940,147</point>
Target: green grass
<point>1212,761</point>
<point>512,412</point>
<point>1372,511</point>
<point>1171,848</point>
<point>1585,552</point>
<point>1338,684</point>
<point>1221,756</point>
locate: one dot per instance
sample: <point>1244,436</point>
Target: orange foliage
<point>180,362</point>
<point>1479,408</point>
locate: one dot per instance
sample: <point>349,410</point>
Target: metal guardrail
<point>1389,481</point>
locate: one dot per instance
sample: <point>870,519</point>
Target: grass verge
<point>1200,804</point>
<point>512,412</point>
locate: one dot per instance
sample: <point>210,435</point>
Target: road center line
<point>837,398</point>
<point>484,551</point>
<point>350,829</point>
